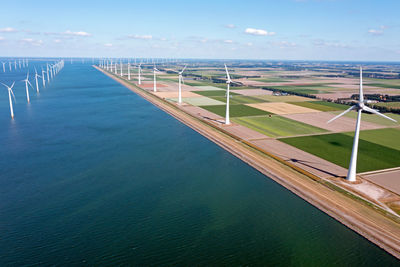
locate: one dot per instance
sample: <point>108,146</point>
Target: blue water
<point>92,174</point>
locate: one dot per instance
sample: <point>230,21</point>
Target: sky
<point>342,30</point>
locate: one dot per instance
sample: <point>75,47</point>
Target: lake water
<point>92,174</point>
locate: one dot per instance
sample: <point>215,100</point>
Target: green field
<point>384,85</point>
<point>288,98</point>
<point>276,126</point>
<point>213,93</point>
<point>389,137</point>
<point>239,99</point>
<point>388,104</point>
<point>336,148</point>
<point>321,105</point>
<point>374,118</point>
<point>236,110</point>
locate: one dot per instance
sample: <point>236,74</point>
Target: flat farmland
<point>277,126</point>
<point>336,148</point>
<point>235,110</point>
<point>321,105</point>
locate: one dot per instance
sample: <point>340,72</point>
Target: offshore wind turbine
<point>36,80</point>
<point>4,66</point>
<point>129,71</point>
<point>43,80</point>
<point>9,65</point>
<point>359,107</point>
<point>10,92</point>
<point>47,72</point>
<point>27,82</point>
<point>180,78</point>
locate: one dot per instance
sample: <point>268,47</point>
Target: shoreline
<point>365,220</point>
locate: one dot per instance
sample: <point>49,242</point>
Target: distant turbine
<point>10,92</point>
<point>180,78</point>
<point>27,82</point>
<point>129,71</point>
<point>15,64</point>
<point>359,107</point>
<point>43,80</point>
<point>228,83</point>
<point>36,79</point>
<point>4,66</point>
<point>9,64</point>
<point>120,64</point>
<point>47,72</point>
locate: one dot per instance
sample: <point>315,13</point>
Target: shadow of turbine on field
<point>308,164</point>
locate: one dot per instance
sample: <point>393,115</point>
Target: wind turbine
<point>228,83</point>
<point>129,71</point>
<point>4,66</point>
<point>36,79</point>
<point>139,71</point>
<point>47,72</point>
<point>359,107</point>
<point>180,78</point>
<point>10,92</point>
<point>120,65</point>
<point>9,65</point>
<point>155,81</point>
<point>43,80</point>
<point>27,82</point>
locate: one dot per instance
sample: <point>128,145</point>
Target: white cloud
<point>230,26</point>
<point>8,30</point>
<point>32,41</point>
<point>1,38</point>
<point>260,32</point>
<point>375,32</point>
<point>57,41</point>
<point>108,45</point>
<point>228,41</point>
<point>142,37</point>
<point>80,33</point>
<point>322,43</point>
<point>284,44</point>
<point>249,44</point>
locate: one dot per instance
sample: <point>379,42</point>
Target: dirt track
<point>373,225</point>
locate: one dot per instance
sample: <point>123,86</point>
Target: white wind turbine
<point>47,72</point>
<point>129,71</point>
<point>359,107</point>
<point>139,72</point>
<point>120,65</point>
<point>4,66</point>
<point>155,81</point>
<point>228,83</point>
<point>43,80</point>
<point>27,82</point>
<point>9,65</point>
<point>10,92</point>
<point>180,78</point>
<point>36,80</point>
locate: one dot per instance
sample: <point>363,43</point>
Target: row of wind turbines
<point>22,63</point>
<point>359,107</point>
<point>51,70</point>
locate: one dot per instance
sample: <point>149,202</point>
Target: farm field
<point>336,148</point>
<point>235,110</point>
<point>276,126</point>
<point>373,118</point>
<point>321,105</point>
<point>389,137</point>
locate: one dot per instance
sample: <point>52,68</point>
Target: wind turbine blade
<point>377,113</point>
<point>12,92</point>
<point>29,83</point>
<point>341,114</point>
<point>361,97</point>
<point>12,85</point>
<point>227,73</point>
<point>183,69</point>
